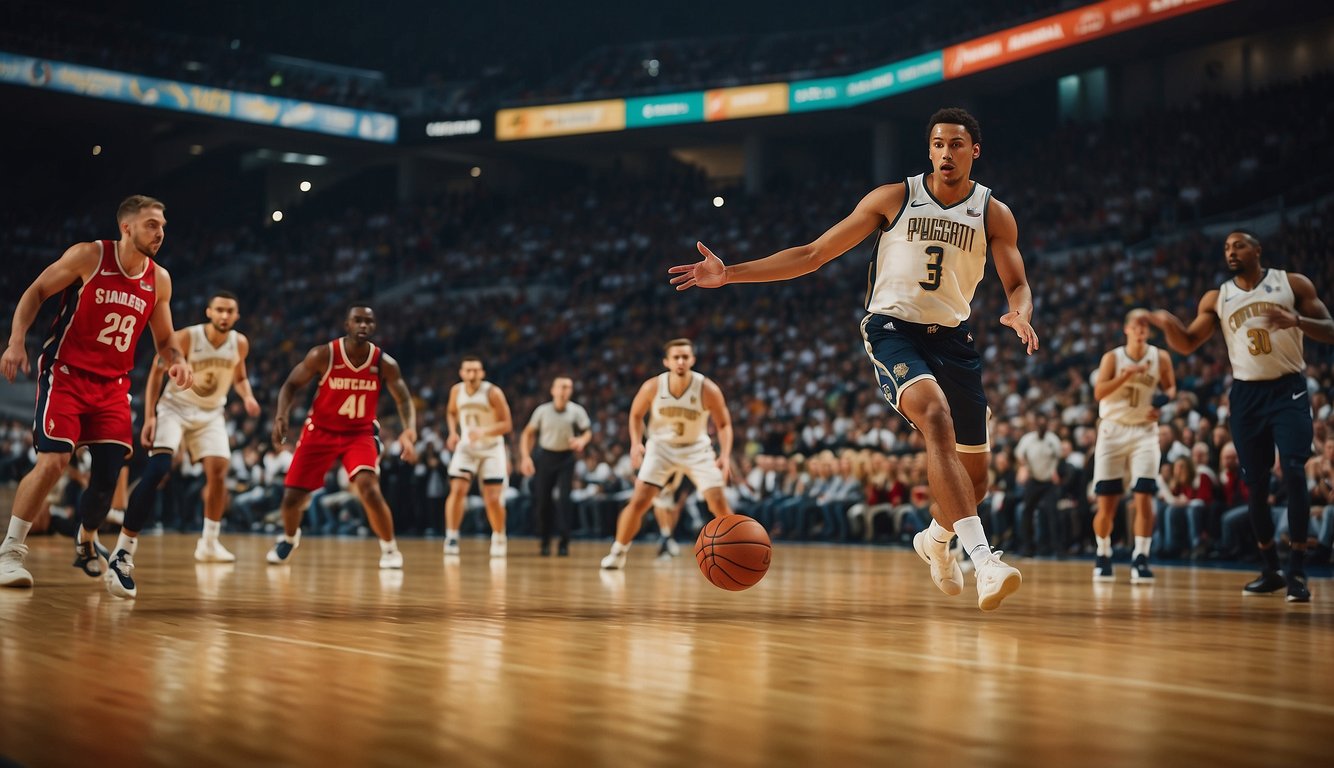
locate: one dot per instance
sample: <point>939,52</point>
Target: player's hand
<point>149,431</point>
<point>14,360</point>
<point>1134,370</point>
<point>1160,318</point>
<point>407,440</point>
<point>181,375</point>
<point>1022,329</point>
<point>636,455</point>
<point>725,466</point>
<point>451,442</point>
<point>279,432</point>
<point>709,273</point>
<point>476,435</point>
<point>526,466</point>
<point>1280,318</point>
<point>252,407</point>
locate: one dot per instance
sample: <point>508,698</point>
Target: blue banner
<point>838,92</point>
<point>198,99</point>
<point>664,110</point>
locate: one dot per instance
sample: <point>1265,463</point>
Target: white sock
<point>451,534</point>
<point>666,532</point>
<point>973,539</point>
<point>938,533</point>
<point>617,547</point>
<point>295,539</point>
<point>387,546</point>
<point>497,537</point>
<point>127,543</point>
<point>18,530</point>
<point>1104,545</point>
<point>1142,544</point>
<point>211,528</point>
<point>115,516</point>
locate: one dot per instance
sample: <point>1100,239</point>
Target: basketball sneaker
<point>91,557</point>
<point>119,581</point>
<point>12,572</point>
<point>945,571</point>
<point>995,581</point>
<point>1297,591</point>
<point>1102,569</point>
<point>282,549</point>
<point>563,549</point>
<point>451,547</point>
<point>211,551</point>
<point>1268,583</point>
<point>673,548</point>
<point>499,547</point>
<point>392,559</point>
<point>1139,571</point>
<point>614,561</point>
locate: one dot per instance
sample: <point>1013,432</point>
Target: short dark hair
<point>1250,235</point>
<point>223,295</point>
<point>956,116</point>
<point>681,342</point>
<point>360,305</point>
<point>135,203</point>
<point>470,359</point>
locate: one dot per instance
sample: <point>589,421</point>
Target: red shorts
<point>317,448</point>
<point>76,408</point>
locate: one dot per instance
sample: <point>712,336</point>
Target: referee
<point>562,429</point>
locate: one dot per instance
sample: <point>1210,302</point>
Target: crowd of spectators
<point>573,281</point>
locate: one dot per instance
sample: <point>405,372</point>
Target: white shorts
<point>666,498</point>
<point>1126,452</point>
<point>485,464</point>
<point>697,461</point>
<point>202,433</point>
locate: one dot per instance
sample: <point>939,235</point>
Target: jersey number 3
<point>932,281</point>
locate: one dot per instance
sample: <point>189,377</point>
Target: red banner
<point>1062,31</point>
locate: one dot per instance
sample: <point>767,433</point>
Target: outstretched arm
<point>1003,237</point>
<point>1312,316</point>
<point>873,212</point>
<point>1188,338</point>
<point>77,262</point>
<point>315,363</point>
<point>407,410</point>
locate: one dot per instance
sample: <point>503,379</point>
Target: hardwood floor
<point>841,656</point>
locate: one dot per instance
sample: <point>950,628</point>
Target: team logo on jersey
<point>973,212</point>
<point>147,286</point>
<point>932,328</point>
<point>889,393</point>
<point>692,400</point>
<point>900,370</point>
<point>51,423</point>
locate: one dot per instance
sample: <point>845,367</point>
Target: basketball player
<point>1128,381</point>
<point>1263,314</point>
<point>113,289</point>
<point>678,404</point>
<point>478,416</point>
<point>934,231</point>
<point>342,425</point>
<point>194,418</point>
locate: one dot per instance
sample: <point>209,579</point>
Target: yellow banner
<point>745,101</point>
<point>560,120</point>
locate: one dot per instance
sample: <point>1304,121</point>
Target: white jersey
<point>1132,403</point>
<point>928,262</point>
<point>476,412</point>
<point>214,369</point>
<point>1257,351</point>
<point>679,420</point>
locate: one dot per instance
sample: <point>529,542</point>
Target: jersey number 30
<point>932,281</point>
<point>1259,342</point>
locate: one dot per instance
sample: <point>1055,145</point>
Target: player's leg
<point>1144,460</point>
<point>630,520</point>
<point>564,504</point>
<point>666,513</point>
<point>207,441</point>
<point>1109,470</point>
<point>1293,433</point>
<point>544,480</point>
<point>462,469</point>
<point>1253,438</point>
<point>378,514</point>
<point>493,498</point>
<point>120,499</point>
<point>315,450</point>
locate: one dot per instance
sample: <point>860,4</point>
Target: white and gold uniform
<point>193,417</point>
<point>1127,432</point>
<point>485,458</point>
<point>678,437</point>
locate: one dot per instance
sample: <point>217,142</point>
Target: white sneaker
<point>120,576</point>
<point>945,570</point>
<point>614,561</point>
<point>995,582</point>
<point>499,548</point>
<point>673,548</point>
<point>212,551</point>
<point>391,559</point>
<point>451,547</point>
<point>283,549</point>
<point>12,572</point>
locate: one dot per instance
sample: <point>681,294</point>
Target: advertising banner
<point>665,110</point>
<point>560,119</point>
<point>745,101</point>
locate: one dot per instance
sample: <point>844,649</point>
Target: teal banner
<point>664,110</point>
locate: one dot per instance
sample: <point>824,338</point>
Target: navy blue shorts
<point>905,353</point>
<point>1269,414</point>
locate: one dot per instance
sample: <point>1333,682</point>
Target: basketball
<point>733,552</point>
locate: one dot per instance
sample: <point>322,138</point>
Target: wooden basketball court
<point>841,656</point>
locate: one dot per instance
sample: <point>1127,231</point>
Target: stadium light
<point>97,150</point>
<point>277,215</point>
<point>476,171</point>
<point>718,202</point>
<point>305,186</point>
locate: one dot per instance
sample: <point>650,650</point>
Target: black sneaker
<point>546,549</point>
<point>1102,569</point>
<point>1297,591</point>
<point>120,582</point>
<point>563,549</point>
<point>91,558</point>
<point>1268,583</point>
<point>1139,571</point>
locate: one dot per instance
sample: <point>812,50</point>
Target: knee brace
<point>108,458</point>
<point>142,500</point>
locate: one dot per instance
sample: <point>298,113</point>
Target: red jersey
<point>349,395</point>
<point>100,320</point>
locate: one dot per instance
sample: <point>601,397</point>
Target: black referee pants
<point>555,471</point>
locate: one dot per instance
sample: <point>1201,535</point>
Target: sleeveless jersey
<point>214,368</point>
<point>476,412</point>
<point>101,320</point>
<point>1132,402</point>
<point>679,420</point>
<point>928,261</point>
<point>1257,351</point>
<point>348,396</point>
